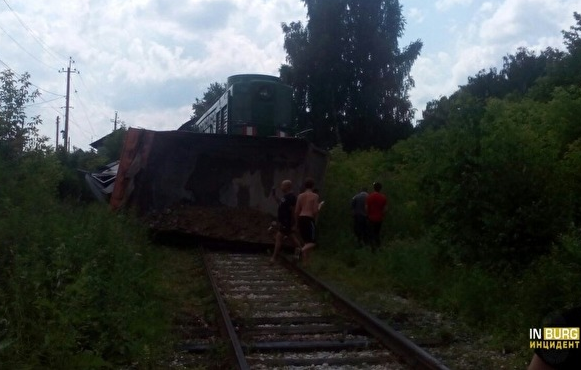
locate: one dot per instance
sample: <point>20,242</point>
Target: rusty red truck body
<point>162,172</point>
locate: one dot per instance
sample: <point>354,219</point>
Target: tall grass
<point>78,283</point>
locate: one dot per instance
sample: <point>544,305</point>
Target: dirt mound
<point>223,223</point>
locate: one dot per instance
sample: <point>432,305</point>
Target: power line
<point>6,65</point>
<point>81,130</point>
<point>46,91</point>
<point>43,102</point>
<point>59,96</point>
<point>52,106</point>
<point>42,44</point>
<point>85,110</point>
<point>38,87</point>
<point>105,115</point>
<point>26,51</point>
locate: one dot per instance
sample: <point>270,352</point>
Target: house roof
<point>100,142</point>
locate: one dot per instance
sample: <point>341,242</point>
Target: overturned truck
<point>214,186</point>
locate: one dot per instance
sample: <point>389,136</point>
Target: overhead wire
<point>6,65</point>
<point>42,44</point>
<point>80,129</point>
<point>24,49</point>
<point>31,84</point>
<point>59,95</point>
<point>51,53</point>
<point>105,115</point>
<point>43,102</point>
<point>38,87</point>
<point>85,110</point>
<point>57,56</point>
<point>59,112</point>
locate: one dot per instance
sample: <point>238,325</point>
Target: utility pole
<point>68,70</point>
<point>115,122</point>
<point>57,131</point>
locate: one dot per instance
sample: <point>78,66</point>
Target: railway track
<point>277,316</point>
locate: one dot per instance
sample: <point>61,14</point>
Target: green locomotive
<point>253,105</point>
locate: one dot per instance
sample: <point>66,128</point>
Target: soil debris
<point>221,223</point>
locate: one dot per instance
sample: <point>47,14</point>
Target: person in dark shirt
<point>286,209</point>
<point>562,358</point>
<point>360,216</point>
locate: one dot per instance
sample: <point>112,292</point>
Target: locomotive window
<point>265,93</point>
<point>219,128</point>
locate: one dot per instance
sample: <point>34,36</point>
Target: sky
<point>148,60</point>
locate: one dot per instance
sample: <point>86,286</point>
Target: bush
<point>346,175</point>
<point>79,287</point>
<point>497,191</point>
<point>435,259</point>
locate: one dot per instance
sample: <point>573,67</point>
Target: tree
<point>113,144</point>
<point>17,132</point>
<point>573,37</point>
<point>435,115</point>
<point>318,69</point>
<point>350,78</point>
<point>214,92</point>
<point>572,40</point>
<point>496,165</point>
<point>522,69</point>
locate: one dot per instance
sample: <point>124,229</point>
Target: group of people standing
<point>368,212</point>
<point>297,213</point>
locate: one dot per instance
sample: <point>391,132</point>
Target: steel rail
<point>236,347</point>
<point>415,356</point>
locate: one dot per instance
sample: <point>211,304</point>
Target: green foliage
<point>572,37</point>
<point>505,186</point>
<point>570,170</point>
<point>17,132</point>
<point>485,201</point>
<point>489,209</point>
<point>346,174</point>
<point>570,71</point>
<point>355,171</point>
<point>78,286</point>
<point>360,98</point>
<point>113,145</point>
<point>473,294</point>
<point>496,187</point>
<point>74,166</point>
<point>211,96</point>
<point>411,263</point>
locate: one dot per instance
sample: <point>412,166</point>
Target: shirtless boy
<point>306,212</point>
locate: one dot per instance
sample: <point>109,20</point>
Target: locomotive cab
<point>253,105</point>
